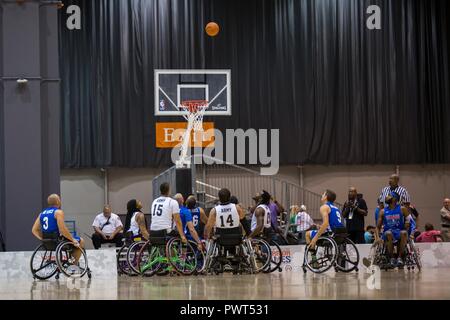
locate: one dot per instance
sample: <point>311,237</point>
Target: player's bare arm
<point>179,224</point>
<point>406,217</point>
<point>324,212</point>
<point>59,215</point>
<point>194,234</point>
<point>140,219</point>
<point>36,230</point>
<point>379,225</point>
<point>259,213</point>
<point>203,216</point>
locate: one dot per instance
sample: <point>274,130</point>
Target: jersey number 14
<point>229,221</point>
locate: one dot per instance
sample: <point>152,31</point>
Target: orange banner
<point>169,135</point>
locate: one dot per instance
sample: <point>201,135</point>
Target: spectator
<point>429,235</point>
<point>369,236</point>
<point>302,219</point>
<point>108,228</point>
<point>354,211</point>
<point>445,219</point>
<point>405,199</point>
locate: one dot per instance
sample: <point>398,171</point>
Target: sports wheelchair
<point>379,257</point>
<point>122,262</point>
<point>228,248</point>
<point>333,249</point>
<point>162,255</point>
<point>54,256</point>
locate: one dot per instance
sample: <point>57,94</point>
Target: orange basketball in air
<point>212,29</point>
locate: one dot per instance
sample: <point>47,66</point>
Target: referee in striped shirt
<point>405,199</point>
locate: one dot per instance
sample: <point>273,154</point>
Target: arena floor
<point>430,284</point>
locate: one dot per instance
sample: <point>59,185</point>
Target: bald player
<point>50,225</point>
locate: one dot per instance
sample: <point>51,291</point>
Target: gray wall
<point>29,141</point>
<point>83,190</point>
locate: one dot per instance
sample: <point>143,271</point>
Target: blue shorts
<point>313,234</point>
<point>395,234</point>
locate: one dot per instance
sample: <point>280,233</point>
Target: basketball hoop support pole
<point>196,109</point>
<point>184,161</point>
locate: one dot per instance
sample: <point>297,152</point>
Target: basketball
<point>212,29</point>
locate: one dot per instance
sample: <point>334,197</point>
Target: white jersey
<point>162,211</point>
<point>134,226</point>
<point>266,217</point>
<point>227,216</point>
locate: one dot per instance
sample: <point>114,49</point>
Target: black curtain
<point>338,92</point>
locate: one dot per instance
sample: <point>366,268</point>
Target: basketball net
<point>196,110</point>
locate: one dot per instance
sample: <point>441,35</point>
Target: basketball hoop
<point>196,110</point>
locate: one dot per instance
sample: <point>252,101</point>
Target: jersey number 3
<point>45,226</point>
<point>229,221</point>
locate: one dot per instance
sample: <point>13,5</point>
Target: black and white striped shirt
<point>402,192</point>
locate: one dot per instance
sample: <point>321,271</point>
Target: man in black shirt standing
<point>354,211</point>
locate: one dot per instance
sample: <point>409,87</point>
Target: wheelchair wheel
<point>43,263</point>
<point>200,256</point>
<point>414,252</point>
<point>348,256</point>
<point>211,253</point>
<point>122,261</point>
<point>132,256</point>
<point>276,258</point>
<point>151,260</point>
<point>322,257</point>
<point>182,256</point>
<point>66,260</point>
<point>260,255</point>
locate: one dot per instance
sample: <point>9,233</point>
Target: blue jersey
<point>196,218</point>
<point>393,218</point>
<point>185,215</point>
<point>334,218</point>
<point>48,221</point>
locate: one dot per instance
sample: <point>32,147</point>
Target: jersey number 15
<point>157,210</point>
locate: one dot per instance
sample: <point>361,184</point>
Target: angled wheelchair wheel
<point>122,261</point>
<point>43,263</point>
<point>182,256</point>
<point>151,260</point>
<point>200,256</point>
<point>260,255</point>
<point>67,263</point>
<point>276,258</point>
<point>348,256</point>
<point>210,257</point>
<point>322,257</point>
<point>132,256</point>
<point>415,255</point>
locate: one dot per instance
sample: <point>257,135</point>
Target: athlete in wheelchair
<point>166,250</point>
<point>227,245</point>
<point>59,251</point>
<point>396,225</point>
<point>329,246</point>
